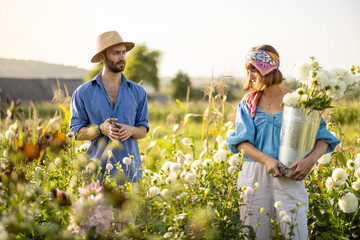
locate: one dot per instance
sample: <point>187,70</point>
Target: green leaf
<point>340,156</point>
<point>321,224</point>
<point>326,236</point>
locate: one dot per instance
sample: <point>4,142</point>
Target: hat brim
<point>128,45</point>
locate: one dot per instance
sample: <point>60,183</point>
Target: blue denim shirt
<point>263,131</point>
<point>91,105</point>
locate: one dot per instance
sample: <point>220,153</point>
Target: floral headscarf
<point>264,61</point>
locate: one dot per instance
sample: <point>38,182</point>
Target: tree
<point>180,83</point>
<point>92,73</point>
<point>141,65</point>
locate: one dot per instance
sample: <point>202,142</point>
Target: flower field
<point>50,189</point>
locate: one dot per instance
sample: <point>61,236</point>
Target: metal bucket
<point>298,134</point>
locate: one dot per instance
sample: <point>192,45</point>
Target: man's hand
<point>124,131</point>
<point>108,129</point>
<point>121,131</point>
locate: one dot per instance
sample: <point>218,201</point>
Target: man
<point>114,106</point>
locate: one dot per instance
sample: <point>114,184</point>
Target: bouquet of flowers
<point>302,108</point>
<point>320,87</point>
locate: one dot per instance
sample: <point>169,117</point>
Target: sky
<point>202,38</point>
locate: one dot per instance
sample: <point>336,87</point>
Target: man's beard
<point>113,65</point>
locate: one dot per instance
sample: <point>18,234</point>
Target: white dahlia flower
<point>175,167</point>
<point>292,99</point>
<point>325,159</point>
<point>286,219</point>
<point>234,160</point>
<point>189,177</point>
<point>278,205</point>
<point>356,185</point>
<point>302,72</point>
<point>348,203</point>
<point>339,175</point>
<point>153,191</point>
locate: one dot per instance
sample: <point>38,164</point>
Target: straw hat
<point>109,39</point>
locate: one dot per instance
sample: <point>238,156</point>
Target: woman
<point>257,133</point>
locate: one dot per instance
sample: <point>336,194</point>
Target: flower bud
<point>186,141</point>
<point>315,64</point>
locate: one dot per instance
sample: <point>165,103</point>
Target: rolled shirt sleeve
<point>142,114</point>
<point>79,118</point>
<point>244,128</point>
<point>327,137</point>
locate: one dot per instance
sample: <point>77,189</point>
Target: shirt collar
<point>97,79</point>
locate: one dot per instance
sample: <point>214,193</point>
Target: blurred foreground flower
<point>9,134</point>
<point>91,211</point>
<point>59,138</point>
<point>70,135</point>
<point>126,161</point>
<point>3,233</point>
<point>109,167</point>
<point>60,197</point>
<point>84,147</point>
<point>30,151</point>
<point>14,126</point>
<point>93,189</point>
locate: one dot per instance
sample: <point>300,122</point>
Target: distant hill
<point>13,68</point>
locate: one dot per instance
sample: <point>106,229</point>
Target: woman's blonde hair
<point>263,82</point>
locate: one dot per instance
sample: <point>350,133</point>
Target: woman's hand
<point>301,168</point>
<point>272,167</point>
